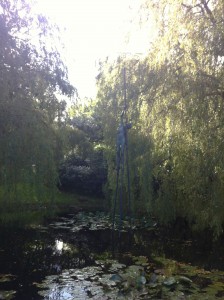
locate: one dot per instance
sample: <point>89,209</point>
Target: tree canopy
<point>32,74</point>
<point>173,97</point>
<point>175,103</point>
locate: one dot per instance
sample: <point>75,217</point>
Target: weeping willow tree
<point>186,112</point>
<point>31,75</point>
<point>176,107</point>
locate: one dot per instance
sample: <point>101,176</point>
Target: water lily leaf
<point>159,271</point>
<point>85,273</point>
<point>106,281</point>
<point>140,280</point>
<point>153,285</point>
<point>7,295</point>
<point>214,289</point>
<point>141,260</point>
<point>153,278</point>
<point>6,277</point>
<point>184,279</point>
<point>134,270</point>
<point>169,281</point>
<point>115,267</point>
<point>116,278</point>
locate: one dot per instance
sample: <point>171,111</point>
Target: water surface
<point>78,256</point>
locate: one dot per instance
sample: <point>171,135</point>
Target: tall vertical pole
<point>126,143</point>
<point>125,94</point>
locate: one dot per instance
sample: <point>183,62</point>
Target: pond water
<point>78,256</point>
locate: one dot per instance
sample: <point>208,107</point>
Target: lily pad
<point>105,280</point>
<point>140,280</point>
<point>116,267</point>
<point>185,279</point>
<point>6,277</point>
<point>116,278</point>
<point>7,295</point>
<point>141,260</point>
<point>169,281</point>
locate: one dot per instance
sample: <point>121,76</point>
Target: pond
<point>79,256</point>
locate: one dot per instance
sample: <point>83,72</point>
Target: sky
<point>95,29</point>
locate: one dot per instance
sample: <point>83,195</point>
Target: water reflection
<point>73,260</point>
<point>85,283</point>
<point>59,246</point>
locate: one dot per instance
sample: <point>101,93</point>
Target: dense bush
<point>86,176</point>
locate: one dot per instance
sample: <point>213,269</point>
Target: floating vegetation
<point>7,295</point>
<point>6,278</point>
<point>113,280</point>
<point>73,258</point>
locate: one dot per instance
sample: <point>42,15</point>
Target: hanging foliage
<point>175,98</point>
<point>31,73</point>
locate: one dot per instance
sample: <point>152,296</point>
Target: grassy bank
<point>21,213</point>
